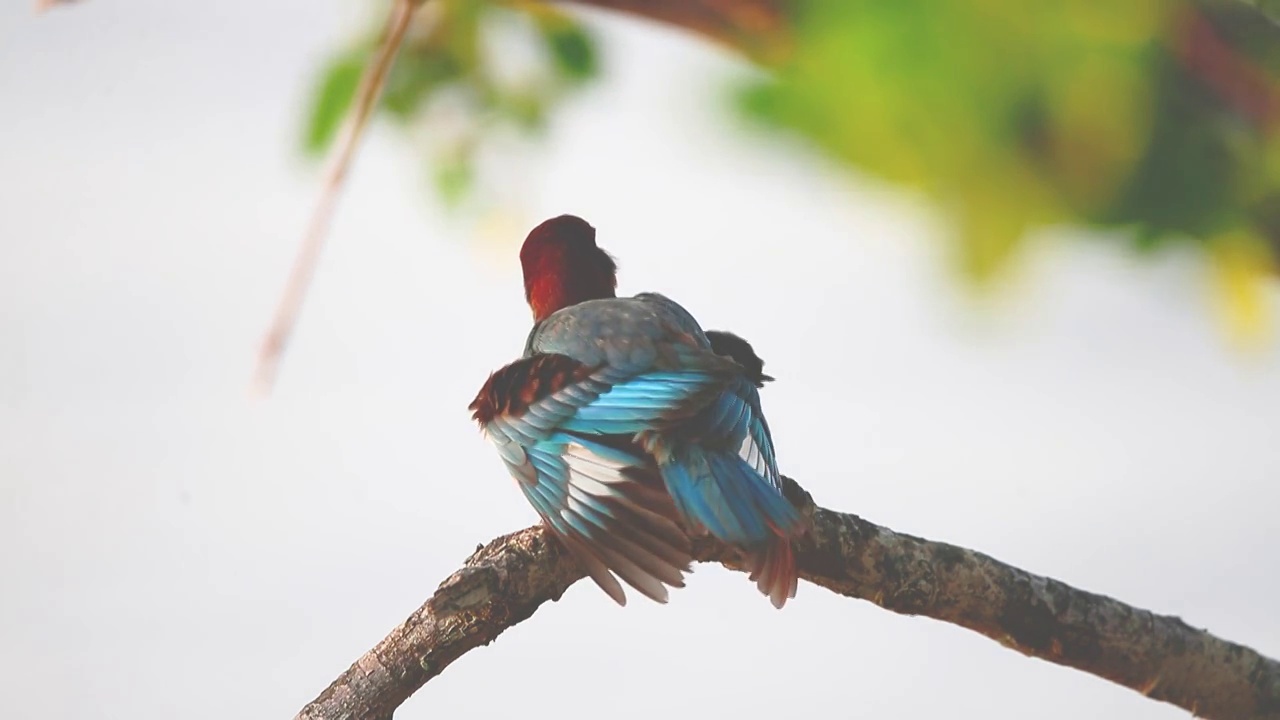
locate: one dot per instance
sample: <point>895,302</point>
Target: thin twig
<point>372,80</point>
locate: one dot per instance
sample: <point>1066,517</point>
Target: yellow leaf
<point>1242,270</point>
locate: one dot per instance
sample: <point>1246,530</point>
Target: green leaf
<point>528,110</point>
<point>332,98</point>
<point>414,78</point>
<point>454,177</point>
<point>572,49</point>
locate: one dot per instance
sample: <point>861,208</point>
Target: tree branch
<point>1160,656</point>
<point>741,24</point>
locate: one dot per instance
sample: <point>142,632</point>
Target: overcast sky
<point>172,548</point>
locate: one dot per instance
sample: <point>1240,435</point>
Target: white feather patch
<point>584,462</point>
<point>750,452</point>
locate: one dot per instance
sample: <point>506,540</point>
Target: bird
<point>628,431</point>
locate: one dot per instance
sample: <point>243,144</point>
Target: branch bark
<point>1162,657</point>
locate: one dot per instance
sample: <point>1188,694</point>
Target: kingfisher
<point>631,430</point>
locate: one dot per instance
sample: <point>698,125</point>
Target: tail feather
<point>722,492</point>
<point>774,571</point>
<point>634,573</point>
<point>596,570</point>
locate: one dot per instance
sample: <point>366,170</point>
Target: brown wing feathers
<point>524,382</point>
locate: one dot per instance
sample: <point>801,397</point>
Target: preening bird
<point>627,429</point>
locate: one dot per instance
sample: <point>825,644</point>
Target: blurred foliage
<point>1153,117</point>
<point>1157,117</point>
<point>450,76</point>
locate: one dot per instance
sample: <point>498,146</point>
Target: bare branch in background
<point>42,5</point>
<point>504,583</point>
<point>370,88</point>
<point>749,26</point>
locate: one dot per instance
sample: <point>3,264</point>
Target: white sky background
<point>170,548</point>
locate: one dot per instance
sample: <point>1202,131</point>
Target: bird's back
<point>635,333</point>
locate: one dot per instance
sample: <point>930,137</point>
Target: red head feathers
<point>563,266</point>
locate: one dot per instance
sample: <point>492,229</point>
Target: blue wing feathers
<point>769,505</point>
<point>590,489</point>
<point>680,484</point>
<point>728,481</point>
<point>719,491</point>
<point>592,522</point>
<point>546,464</point>
<point>617,427</point>
<point>735,480</point>
<point>545,505</point>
